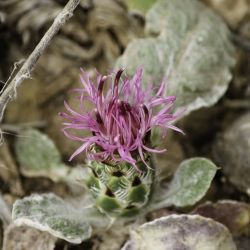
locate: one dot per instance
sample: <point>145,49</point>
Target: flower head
<point>121,120</point>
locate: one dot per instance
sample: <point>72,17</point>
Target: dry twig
<point>9,92</point>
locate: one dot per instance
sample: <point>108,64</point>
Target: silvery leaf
<point>189,45</point>
<point>189,184</point>
<point>48,212</point>
<point>181,232</point>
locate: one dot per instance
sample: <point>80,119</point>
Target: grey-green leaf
<point>38,156</point>
<point>48,212</point>
<point>36,151</point>
<point>192,44</point>
<point>190,183</point>
<point>181,232</point>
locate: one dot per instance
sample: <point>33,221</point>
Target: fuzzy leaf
<point>190,183</point>
<point>190,45</point>
<point>38,156</point>
<point>36,151</point>
<point>181,232</point>
<point>48,212</point>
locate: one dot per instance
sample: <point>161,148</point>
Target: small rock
<point>231,152</point>
<point>234,215</point>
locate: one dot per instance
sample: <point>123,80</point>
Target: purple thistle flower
<point>121,119</point>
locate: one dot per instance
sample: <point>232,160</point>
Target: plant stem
<point>9,91</point>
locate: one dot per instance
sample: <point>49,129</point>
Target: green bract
<point>120,190</point>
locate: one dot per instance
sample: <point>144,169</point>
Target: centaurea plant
<point>121,117</point>
<point>119,148</point>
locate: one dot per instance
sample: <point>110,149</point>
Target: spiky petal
<point>121,119</point>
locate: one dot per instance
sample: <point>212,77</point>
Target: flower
<point>121,120</point>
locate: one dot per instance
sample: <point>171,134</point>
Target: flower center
<point>124,108</point>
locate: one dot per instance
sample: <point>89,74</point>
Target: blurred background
<point>94,38</point>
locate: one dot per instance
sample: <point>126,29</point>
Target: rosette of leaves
<point>193,177</point>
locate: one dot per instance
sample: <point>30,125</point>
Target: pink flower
<point>121,120</point>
